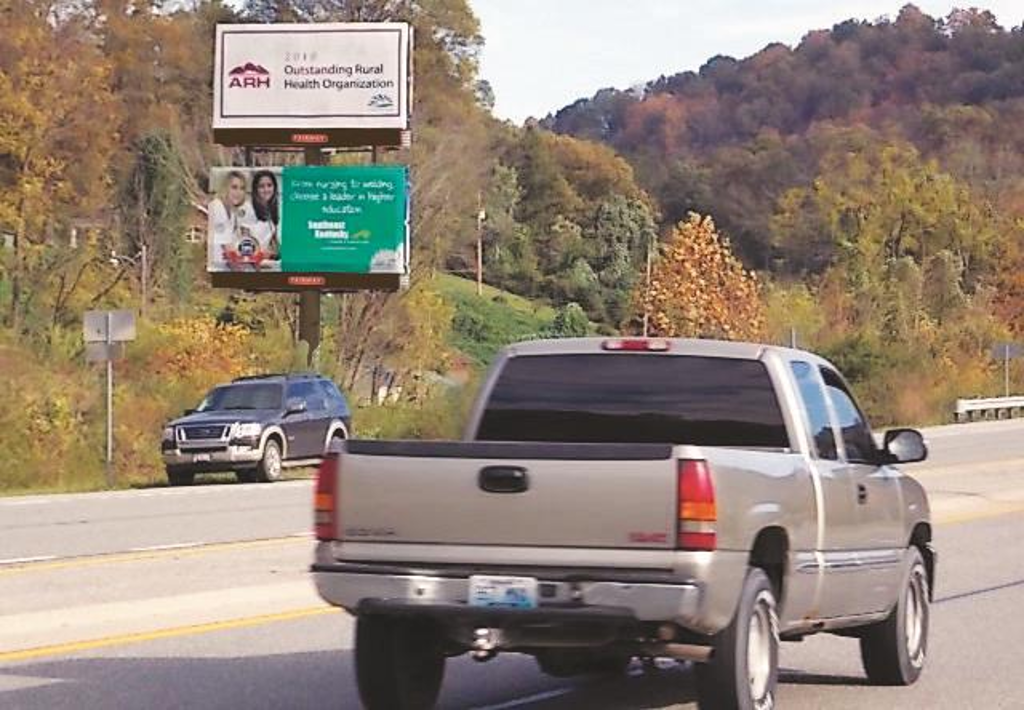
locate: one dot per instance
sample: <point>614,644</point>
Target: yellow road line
<point>64,649</point>
<point>120,557</point>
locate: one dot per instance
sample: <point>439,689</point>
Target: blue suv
<point>256,427</point>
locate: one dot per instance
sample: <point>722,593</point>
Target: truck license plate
<point>200,458</point>
<point>505,592</point>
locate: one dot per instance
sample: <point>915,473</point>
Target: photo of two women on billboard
<point>243,220</point>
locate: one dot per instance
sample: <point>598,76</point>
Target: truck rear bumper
<point>361,590</point>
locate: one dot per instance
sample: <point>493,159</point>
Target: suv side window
<point>860,446</point>
<point>310,393</point>
<point>335,400</point>
<point>822,433</point>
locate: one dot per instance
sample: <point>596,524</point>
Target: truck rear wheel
<point>743,671</point>
<point>894,650</point>
<point>399,663</point>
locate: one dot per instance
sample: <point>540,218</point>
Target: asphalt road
<point>200,598</point>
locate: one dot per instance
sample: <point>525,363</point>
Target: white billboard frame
<point>308,78</point>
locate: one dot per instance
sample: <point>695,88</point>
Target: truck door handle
<point>504,479</point>
<point>862,493</point>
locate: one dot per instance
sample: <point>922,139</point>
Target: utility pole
<point>647,290</point>
<point>481,215</point>
<point>144,256</point>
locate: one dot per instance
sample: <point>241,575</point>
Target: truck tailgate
<point>511,494</point>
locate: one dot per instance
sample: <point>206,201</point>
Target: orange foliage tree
<point>698,288</point>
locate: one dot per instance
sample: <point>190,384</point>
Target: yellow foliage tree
<point>698,288</point>
<point>56,140</point>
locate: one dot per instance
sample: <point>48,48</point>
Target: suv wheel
<point>180,476</point>
<point>269,468</point>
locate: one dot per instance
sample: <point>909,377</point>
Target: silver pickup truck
<point>632,498</point>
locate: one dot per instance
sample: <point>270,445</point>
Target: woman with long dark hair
<point>265,204</point>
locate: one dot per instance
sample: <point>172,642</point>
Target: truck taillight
<point>697,511</point>
<point>325,502</point>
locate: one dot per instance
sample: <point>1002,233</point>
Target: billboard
<point>299,226</point>
<point>244,219</point>
<point>304,79</point>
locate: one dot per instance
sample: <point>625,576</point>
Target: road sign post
<point>105,333</point>
<point>1006,352</point>
<point>109,468</point>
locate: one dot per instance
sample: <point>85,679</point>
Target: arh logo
<point>249,76</point>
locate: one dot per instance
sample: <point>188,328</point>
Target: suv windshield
<point>255,396</point>
<point>635,399</point>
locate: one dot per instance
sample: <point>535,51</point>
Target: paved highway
<point>200,598</point>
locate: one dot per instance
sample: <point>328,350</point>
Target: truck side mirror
<point>905,446</point>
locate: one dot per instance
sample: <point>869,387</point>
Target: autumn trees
<point>699,289</point>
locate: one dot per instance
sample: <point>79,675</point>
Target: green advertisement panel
<point>345,219</point>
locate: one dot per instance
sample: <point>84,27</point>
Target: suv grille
<point>204,433</point>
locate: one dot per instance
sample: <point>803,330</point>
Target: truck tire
<point>743,670</point>
<point>180,476</point>
<point>269,468</point>
<point>893,651</point>
<point>399,663</point>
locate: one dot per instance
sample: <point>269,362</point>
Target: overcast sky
<point>541,55</point>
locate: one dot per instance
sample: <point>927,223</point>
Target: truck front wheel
<point>894,650</point>
<point>743,671</point>
<point>399,663</point>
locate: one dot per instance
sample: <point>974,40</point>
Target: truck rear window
<point>634,398</point>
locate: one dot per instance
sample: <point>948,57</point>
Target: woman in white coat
<point>230,218</point>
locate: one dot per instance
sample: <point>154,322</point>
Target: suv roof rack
<point>282,375</point>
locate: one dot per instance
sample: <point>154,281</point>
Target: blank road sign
<point>122,326</point>
<point>1001,351</point>
<point>101,352</point>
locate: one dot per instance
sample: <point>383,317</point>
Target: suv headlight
<point>168,433</point>
<point>248,430</point>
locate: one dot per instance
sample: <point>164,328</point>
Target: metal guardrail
<point>985,407</point>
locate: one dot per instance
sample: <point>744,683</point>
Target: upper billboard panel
<point>312,77</point>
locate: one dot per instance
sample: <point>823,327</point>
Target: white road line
<point>172,546</point>
<point>519,702</point>
<point>24,560</point>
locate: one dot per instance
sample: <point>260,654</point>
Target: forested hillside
<point>873,175</point>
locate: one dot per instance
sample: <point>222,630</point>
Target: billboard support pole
<point>309,301</point>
